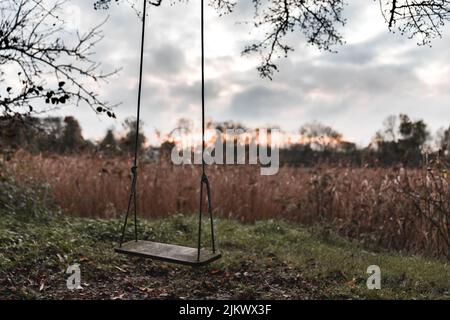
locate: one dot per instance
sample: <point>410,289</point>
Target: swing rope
<point>134,169</point>
<point>204,181</point>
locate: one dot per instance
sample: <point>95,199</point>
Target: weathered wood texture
<point>168,253</point>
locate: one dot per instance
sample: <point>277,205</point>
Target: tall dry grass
<point>394,208</point>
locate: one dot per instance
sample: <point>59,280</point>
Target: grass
<point>268,259</point>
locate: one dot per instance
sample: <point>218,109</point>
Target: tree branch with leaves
<point>42,65</point>
<point>418,19</point>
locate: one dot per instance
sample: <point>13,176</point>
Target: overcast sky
<point>375,74</point>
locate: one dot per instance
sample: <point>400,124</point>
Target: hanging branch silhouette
<point>417,18</point>
<point>317,20</point>
<point>33,43</point>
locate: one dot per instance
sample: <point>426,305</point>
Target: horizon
<point>156,137</point>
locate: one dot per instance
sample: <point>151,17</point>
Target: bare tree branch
<point>418,19</point>
<point>39,67</point>
<point>316,19</point>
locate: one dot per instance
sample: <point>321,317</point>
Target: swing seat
<point>168,253</point>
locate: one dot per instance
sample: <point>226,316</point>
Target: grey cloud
<point>262,101</point>
<point>166,60</point>
<point>340,79</point>
<point>192,92</point>
<point>360,53</point>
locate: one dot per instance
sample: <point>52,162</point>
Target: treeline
<point>401,141</point>
<point>63,136</point>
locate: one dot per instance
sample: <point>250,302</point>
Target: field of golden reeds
<point>393,208</point>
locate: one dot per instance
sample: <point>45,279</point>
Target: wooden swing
<point>162,251</point>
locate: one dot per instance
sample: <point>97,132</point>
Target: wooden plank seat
<point>168,252</point>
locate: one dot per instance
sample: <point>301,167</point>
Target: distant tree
<point>387,152</point>
<point>317,129</point>
<point>109,143</point>
<point>443,139</point>
<point>390,128</point>
<point>405,144</point>
<point>319,136</point>
<point>127,143</point>
<point>443,143</point>
<point>72,140</point>
<point>415,132</point>
<point>13,134</point>
<point>320,22</point>
<point>50,136</point>
<point>385,141</point>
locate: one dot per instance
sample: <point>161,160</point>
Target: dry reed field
<point>394,208</point>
